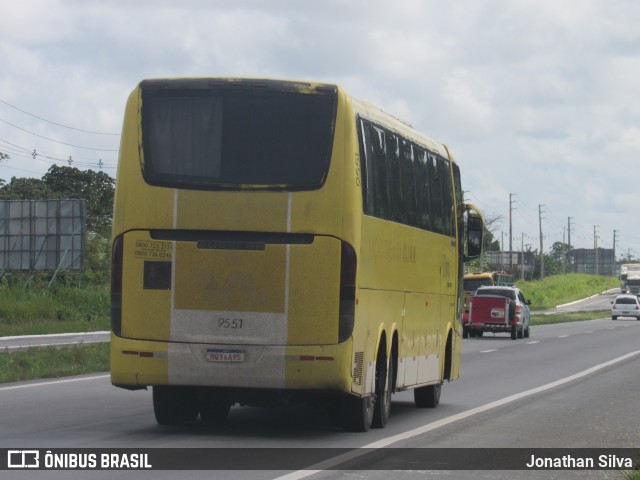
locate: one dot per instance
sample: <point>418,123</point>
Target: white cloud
<point>535,97</point>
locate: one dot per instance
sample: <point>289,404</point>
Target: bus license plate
<point>497,313</point>
<point>225,356</point>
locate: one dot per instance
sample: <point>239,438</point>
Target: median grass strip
<point>50,362</point>
<point>60,309</point>
<point>548,318</point>
<point>561,289</point>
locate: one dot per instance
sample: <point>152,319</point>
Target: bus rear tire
<point>173,405</point>
<point>356,413</point>
<point>384,389</point>
<point>214,414</point>
<point>427,397</point>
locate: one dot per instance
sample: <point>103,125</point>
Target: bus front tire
<point>427,397</point>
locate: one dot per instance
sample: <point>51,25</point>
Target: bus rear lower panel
<point>136,364</point>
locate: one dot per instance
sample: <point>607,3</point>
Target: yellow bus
<point>473,281</point>
<point>281,241</point>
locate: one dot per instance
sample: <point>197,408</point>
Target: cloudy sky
<point>536,98</point>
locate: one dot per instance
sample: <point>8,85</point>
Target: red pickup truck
<point>497,309</point>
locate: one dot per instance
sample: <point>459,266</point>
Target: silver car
<point>625,306</point>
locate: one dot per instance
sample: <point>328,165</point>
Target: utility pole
<point>522,258</point>
<point>511,232</point>
<point>569,243</point>
<point>541,247</point>
<point>595,245</point>
<point>613,267</point>
<point>502,253</point>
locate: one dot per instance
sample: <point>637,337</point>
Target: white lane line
<point>563,336</point>
<point>534,341</point>
<point>54,382</point>
<point>54,345</point>
<point>488,351</point>
<point>385,442</point>
<point>54,335</point>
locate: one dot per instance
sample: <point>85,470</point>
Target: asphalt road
<point>558,388</point>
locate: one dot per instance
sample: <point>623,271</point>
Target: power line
<point>57,141</point>
<point>55,123</point>
<point>27,152</point>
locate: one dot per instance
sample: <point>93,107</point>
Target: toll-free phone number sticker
<point>153,250</point>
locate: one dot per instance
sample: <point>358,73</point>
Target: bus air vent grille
<point>358,364</point>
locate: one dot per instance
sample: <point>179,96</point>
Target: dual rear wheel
<point>359,414</point>
<point>177,405</point>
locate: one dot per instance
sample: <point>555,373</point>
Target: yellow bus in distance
<point>473,281</point>
<point>280,241</point>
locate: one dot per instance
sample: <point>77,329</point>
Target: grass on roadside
<point>545,319</point>
<point>49,362</point>
<point>61,309</point>
<point>561,289</point>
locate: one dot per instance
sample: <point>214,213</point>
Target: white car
<point>625,306</point>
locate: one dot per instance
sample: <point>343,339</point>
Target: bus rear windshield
<point>237,138</point>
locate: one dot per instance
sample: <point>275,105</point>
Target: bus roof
<point>377,115</point>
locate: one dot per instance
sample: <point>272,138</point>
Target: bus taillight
<point>347,291</point>
<point>116,286</point>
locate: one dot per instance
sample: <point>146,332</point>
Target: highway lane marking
<point>54,382</point>
<point>385,442</point>
<point>563,336</point>
<point>488,351</point>
<point>531,343</point>
<point>55,335</point>
<point>42,345</point>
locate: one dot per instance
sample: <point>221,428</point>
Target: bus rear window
<point>237,138</point>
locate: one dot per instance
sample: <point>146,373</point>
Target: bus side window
<point>435,194</point>
<point>447,197</point>
<point>366,168</point>
<point>423,206</point>
<point>408,181</point>
<point>457,186</point>
<point>379,165</point>
<point>393,180</point>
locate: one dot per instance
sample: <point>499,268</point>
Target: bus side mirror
<point>474,232</point>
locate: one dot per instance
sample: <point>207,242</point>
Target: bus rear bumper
<point>141,363</point>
